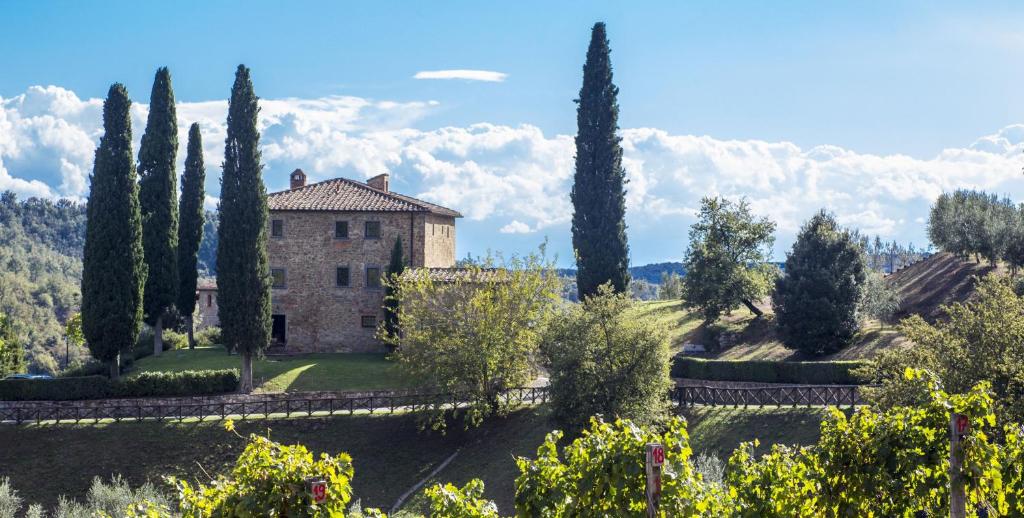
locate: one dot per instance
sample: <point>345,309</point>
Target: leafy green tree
<point>12,355</point>
<point>190,229</point>
<point>113,265</point>
<point>243,270</point>
<point>878,300</point>
<point>158,194</point>
<point>604,361</point>
<point>468,501</point>
<point>671,286</point>
<point>981,340</point>
<point>727,263</point>
<point>395,269</point>
<point>598,193</point>
<point>816,301</point>
<point>1013,254</point>
<point>475,334</point>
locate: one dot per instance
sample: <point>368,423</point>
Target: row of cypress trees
<point>141,245</point>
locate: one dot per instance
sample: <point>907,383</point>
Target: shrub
<point>763,371</point>
<point>10,502</point>
<point>604,361</point>
<point>208,337</point>
<point>146,384</point>
<point>113,499</point>
<point>270,479</point>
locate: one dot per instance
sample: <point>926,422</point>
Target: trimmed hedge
<point>146,384</point>
<point>762,371</point>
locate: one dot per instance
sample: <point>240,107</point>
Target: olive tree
<point>473,332</point>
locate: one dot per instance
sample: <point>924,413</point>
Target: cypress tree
<point>243,271</point>
<point>190,228</point>
<point>113,265</point>
<point>395,269</point>
<point>598,194</point>
<point>158,193</point>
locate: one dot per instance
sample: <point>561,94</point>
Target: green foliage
<point>816,301</point>
<point>604,361</point>
<point>727,263</point>
<point>671,286</point>
<point>190,228</point>
<point>10,502</point>
<point>395,269</point>
<point>878,300</point>
<point>271,479</point>
<point>113,272</point>
<point>602,472</point>
<point>980,340</point>
<point>158,194</point>
<point>40,250</point>
<point>476,334</point>
<point>766,371</point>
<point>208,337</point>
<point>243,269</point>
<point>146,384</point>
<point>598,195</point>
<point>891,463</point>
<point>969,222</point>
<point>468,501</point>
<point>12,356</point>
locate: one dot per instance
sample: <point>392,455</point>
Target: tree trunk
<point>115,367</point>
<point>191,333</point>
<point>753,309</point>
<point>158,336</point>
<point>246,372</point>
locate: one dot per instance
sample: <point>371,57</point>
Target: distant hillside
<point>648,272</point>
<point>941,279</point>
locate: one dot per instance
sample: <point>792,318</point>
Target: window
<point>341,277</point>
<point>278,278</point>
<point>369,321</point>
<point>277,228</point>
<point>373,277</point>
<point>209,300</point>
<point>340,230</point>
<point>372,230</point>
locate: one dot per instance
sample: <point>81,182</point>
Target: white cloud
<point>515,227</point>
<point>516,179</point>
<point>469,75</point>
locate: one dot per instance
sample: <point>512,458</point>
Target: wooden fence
<point>778,395</point>
<point>257,407</point>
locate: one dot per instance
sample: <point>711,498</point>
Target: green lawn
<point>389,453</point>
<point>308,372</point>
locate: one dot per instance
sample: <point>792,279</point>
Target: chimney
<point>379,182</point>
<point>298,179</point>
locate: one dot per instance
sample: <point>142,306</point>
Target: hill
<point>940,279</point>
<point>648,272</point>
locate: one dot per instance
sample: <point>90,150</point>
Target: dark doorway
<point>277,330</point>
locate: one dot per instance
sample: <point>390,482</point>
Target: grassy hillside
<point>289,373</point>
<point>390,455</point>
<point>941,279</point>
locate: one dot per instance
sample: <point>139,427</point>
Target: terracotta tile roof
<point>344,195</point>
<point>451,274</point>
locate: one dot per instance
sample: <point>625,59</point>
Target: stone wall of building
<point>206,304</point>
<point>321,316</point>
<point>439,248</point>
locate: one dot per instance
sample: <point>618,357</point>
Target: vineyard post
<point>959,425</point>
<point>655,458</point>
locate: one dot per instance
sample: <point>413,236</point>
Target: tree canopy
<point>190,228</point>
<point>727,263</point>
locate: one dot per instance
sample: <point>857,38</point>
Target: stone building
<point>330,244</point>
<point>206,304</point>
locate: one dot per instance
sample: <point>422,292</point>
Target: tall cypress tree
<point>158,194</point>
<point>598,194</point>
<point>190,228</point>
<point>243,271</point>
<point>395,269</point>
<point>113,264</point>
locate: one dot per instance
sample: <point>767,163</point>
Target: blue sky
<point>867,108</point>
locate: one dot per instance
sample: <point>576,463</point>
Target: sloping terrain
<point>941,279</point>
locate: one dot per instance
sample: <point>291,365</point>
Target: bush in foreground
<point>767,371</point>
<point>604,361</point>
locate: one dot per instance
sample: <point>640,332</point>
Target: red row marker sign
<point>318,488</point>
<point>655,459</point>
